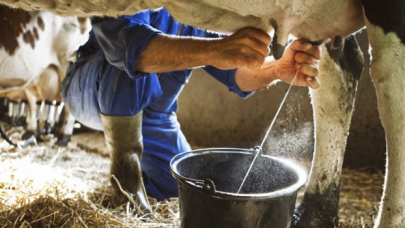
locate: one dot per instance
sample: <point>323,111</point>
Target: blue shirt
<point>124,39</point>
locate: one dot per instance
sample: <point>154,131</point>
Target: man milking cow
<point>128,76</point>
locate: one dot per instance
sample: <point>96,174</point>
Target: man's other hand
<point>247,47</point>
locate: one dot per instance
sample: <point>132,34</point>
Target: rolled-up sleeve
<point>123,39</point>
<point>227,77</point>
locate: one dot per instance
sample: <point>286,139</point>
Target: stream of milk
<point>259,148</point>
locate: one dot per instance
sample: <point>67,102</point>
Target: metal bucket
<point>209,179</point>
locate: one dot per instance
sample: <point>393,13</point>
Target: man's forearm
<point>247,47</point>
<point>170,53</point>
<point>251,80</point>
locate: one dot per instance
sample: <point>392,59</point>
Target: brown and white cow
<point>318,21</point>
<point>34,51</point>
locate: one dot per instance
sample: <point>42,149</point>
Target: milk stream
<point>267,133</point>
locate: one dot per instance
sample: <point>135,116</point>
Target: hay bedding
<point>46,186</point>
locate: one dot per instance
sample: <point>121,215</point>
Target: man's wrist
<point>211,52</point>
<point>269,72</point>
<point>275,72</point>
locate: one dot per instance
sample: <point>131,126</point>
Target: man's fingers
<point>258,34</point>
<point>313,82</point>
<point>256,45</point>
<point>247,47</point>
<point>307,76</point>
<point>253,61</point>
<point>250,51</point>
<point>302,57</point>
<point>251,57</point>
<point>254,38</point>
<point>308,69</point>
<point>302,46</point>
<point>305,57</point>
<point>316,52</point>
<point>304,80</point>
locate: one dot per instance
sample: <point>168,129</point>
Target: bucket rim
<point>201,184</point>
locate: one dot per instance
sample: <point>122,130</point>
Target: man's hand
<point>247,47</point>
<point>298,57</point>
<point>304,58</point>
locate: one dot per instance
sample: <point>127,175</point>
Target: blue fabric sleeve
<point>122,40</point>
<point>227,77</point>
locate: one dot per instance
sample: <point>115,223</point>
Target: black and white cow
<point>34,51</point>
<point>319,21</point>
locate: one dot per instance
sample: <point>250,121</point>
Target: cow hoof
<point>318,209</point>
<point>28,135</point>
<point>63,140</point>
<point>310,217</point>
<point>8,120</point>
<point>22,121</point>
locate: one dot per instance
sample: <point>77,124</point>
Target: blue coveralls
<point>104,79</point>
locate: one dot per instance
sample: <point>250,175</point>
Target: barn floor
<point>47,186</point>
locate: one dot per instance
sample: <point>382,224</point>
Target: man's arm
<point>245,48</point>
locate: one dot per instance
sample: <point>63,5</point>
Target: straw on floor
<point>47,186</point>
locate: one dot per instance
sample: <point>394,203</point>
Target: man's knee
<point>119,95</point>
<point>79,97</point>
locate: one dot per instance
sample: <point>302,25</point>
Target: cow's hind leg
<point>386,31</point>
<point>48,89</point>
<point>64,128</point>
<point>32,126</point>
<point>333,106</point>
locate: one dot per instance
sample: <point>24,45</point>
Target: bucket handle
<point>207,185</point>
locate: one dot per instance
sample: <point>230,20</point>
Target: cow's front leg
<point>333,105</point>
<point>388,74</point>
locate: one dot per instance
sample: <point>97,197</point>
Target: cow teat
<point>277,48</point>
<point>335,47</point>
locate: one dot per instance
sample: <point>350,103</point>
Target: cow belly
<point>84,8</point>
<point>44,40</point>
<point>21,70</point>
<point>298,17</point>
<point>31,53</point>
